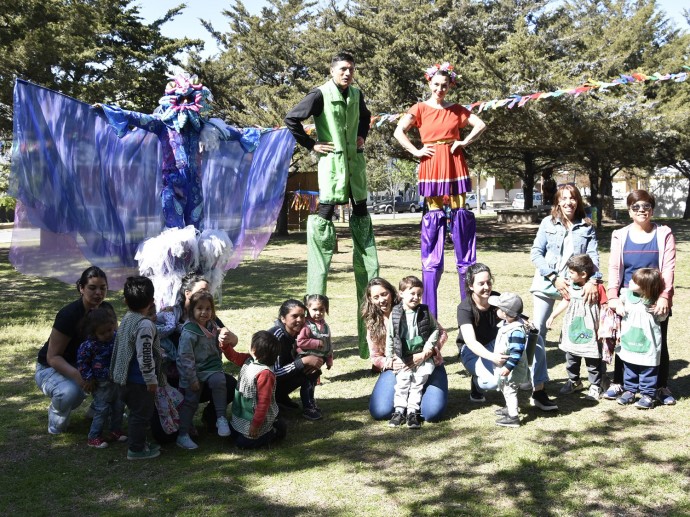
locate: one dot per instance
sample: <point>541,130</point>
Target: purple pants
<point>463,227</point>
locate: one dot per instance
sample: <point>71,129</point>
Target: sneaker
<point>594,393</point>
<point>53,431</point>
<point>645,402</point>
<point>311,413</point>
<point>397,419</point>
<point>665,397</point>
<point>116,436</point>
<point>541,400</point>
<point>571,387</point>
<point>476,394</point>
<point>614,391</point>
<point>97,443</point>
<point>509,421</point>
<point>414,420</point>
<point>186,442</point>
<point>223,427</point>
<point>501,411</point>
<point>146,454</point>
<point>525,386</point>
<point>628,397</point>
<point>152,446</point>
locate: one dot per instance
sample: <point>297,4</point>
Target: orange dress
<point>443,173</point>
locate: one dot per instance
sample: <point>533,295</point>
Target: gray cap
<point>510,303</point>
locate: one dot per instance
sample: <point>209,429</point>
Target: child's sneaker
<point>186,442</point>
<point>571,387</point>
<point>476,395</point>
<point>97,443</point>
<point>628,397</point>
<point>509,421</point>
<point>146,454</point>
<point>665,397</point>
<point>311,413</point>
<point>117,436</point>
<point>397,419</point>
<point>501,411</point>
<point>594,393</point>
<point>614,391</point>
<point>414,420</point>
<point>645,402</point>
<point>541,400</point>
<point>222,426</point>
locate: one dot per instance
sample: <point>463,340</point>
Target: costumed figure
<point>85,181</point>
<point>184,134</point>
<point>342,125</point>
<point>442,172</point>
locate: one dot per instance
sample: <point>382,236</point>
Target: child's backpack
<point>579,334</point>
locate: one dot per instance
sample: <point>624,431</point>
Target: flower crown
<point>444,67</point>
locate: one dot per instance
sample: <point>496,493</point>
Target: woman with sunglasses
<point>643,244</point>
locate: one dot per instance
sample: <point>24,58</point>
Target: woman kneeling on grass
<point>378,304</point>
<point>477,331</point>
<point>56,370</point>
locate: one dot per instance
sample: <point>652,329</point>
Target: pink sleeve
<point>377,354</point>
<point>306,341</point>
<point>668,265</point>
<point>615,265</point>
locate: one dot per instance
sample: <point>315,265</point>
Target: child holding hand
<point>93,362</point>
<point>199,362</point>
<point>511,340</point>
<point>136,365</point>
<point>579,337</point>
<point>314,339</point>
<point>255,420</point>
<point>640,339</point>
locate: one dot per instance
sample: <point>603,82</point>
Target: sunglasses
<point>638,207</point>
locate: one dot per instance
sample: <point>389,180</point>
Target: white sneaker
<point>186,442</point>
<point>223,427</point>
<point>594,393</point>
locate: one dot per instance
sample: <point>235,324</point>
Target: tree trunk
<point>528,188</point>
<point>282,222</point>
<point>686,214</point>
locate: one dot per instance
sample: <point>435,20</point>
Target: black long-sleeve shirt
<point>312,106</point>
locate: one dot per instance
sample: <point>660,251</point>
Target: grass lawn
<point>586,459</point>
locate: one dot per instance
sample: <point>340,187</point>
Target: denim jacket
<point>547,246</point>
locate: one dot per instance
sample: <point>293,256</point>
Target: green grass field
<point>587,459</point>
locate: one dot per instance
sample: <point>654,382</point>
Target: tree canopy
<point>102,51</point>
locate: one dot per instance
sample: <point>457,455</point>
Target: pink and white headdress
<point>444,67</point>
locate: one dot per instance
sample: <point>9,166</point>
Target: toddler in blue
<point>93,362</point>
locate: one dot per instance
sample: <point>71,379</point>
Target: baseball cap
<point>510,303</point>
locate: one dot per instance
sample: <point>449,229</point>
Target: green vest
<point>344,169</point>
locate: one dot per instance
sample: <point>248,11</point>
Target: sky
<point>212,9</point>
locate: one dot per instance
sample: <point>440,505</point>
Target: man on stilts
<point>342,125</point>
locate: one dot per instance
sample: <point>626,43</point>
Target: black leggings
<point>326,210</point>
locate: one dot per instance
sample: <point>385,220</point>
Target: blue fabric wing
<point>86,196</point>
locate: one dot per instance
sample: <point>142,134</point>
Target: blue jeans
<point>434,398</point>
<point>65,396</point>
<point>484,369</point>
<point>642,379</point>
<point>106,404</point>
